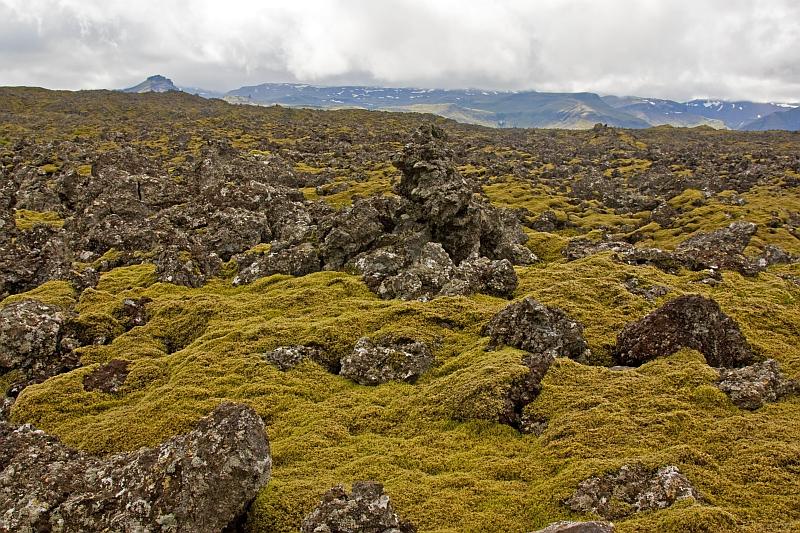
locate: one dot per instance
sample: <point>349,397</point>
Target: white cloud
<point>674,49</point>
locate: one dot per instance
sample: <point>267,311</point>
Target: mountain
<point>657,112</point>
<point>153,84</point>
<point>734,114</point>
<point>522,109</point>
<point>782,120</point>
<point>503,109</point>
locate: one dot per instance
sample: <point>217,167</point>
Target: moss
<point>26,219</point>
<point>444,461</point>
<point>85,170</point>
<point>59,293</point>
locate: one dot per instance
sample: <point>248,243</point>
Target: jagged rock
<point>287,357</point>
<point>30,338</point>
<point>354,230</point>
<point>198,482</point>
<point>181,267</point>
<point>108,378</point>
<point>376,362</point>
<point>538,329</point>
<point>133,312</point>
<point>633,488</point>
<point>689,321</point>
<point>295,261</point>
<point>481,274</point>
<point>578,527</point>
<point>752,386</point>
<point>720,249</point>
<point>633,285</point>
<point>365,510</point>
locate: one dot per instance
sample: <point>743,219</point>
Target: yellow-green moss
<point>443,460</point>
<point>26,219</point>
<point>60,293</point>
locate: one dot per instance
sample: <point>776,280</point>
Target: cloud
<point>673,49</point>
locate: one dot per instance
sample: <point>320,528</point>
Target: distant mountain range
<point>507,109</point>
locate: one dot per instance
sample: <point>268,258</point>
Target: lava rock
<point>133,312</point>
<point>365,510</point>
<point>373,363</point>
<point>30,334</point>
<point>634,286</point>
<point>538,329</point>
<point>108,378</point>
<point>198,482</point>
<point>295,261</point>
<point>578,527</point>
<point>288,357</point>
<point>752,386</point>
<point>633,488</point>
<point>689,321</point>
<point>181,267</point>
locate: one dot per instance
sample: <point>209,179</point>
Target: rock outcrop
<point>365,510</point>
<point>689,321</point>
<point>633,488</point>
<point>376,362</point>
<point>32,341</point>
<point>750,387</point>
<point>198,482</point>
<point>578,527</point>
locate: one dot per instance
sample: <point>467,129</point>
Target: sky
<point>676,49</point>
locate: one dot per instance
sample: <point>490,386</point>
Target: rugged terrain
<point>442,327</point>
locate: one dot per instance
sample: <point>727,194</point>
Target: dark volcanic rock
<point>545,333</point>
<point>578,527</point>
<point>689,321</point>
<point>287,357</point>
<point>181,267</point>
<point>365,510</point>
<point>133,312</point>
<point>107,378</point>
<point>720,249</point>
<point>752,386</point>
<point>632,489</point>
<point>197,482</point>
<point>295,261</point>
<point>538,329</point>
<point>30,333</point>
<point>376,362</point>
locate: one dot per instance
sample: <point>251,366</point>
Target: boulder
<point>531,326</point>
<point>200,482</point>
<point>133,312</point>
<point>633,488</point>
<point>689,321</point>
<point>578,527</point>
<point>296,260</point>
<point>752,386</point>
<point>187,268</point>
<point>30,334</point>
<point>365,510</point>
<point>376,362</point>
<point>288,357</point>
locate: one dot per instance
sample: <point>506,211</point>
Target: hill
<point>153,84</point>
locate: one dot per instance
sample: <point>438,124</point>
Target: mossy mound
<point>446,463</point>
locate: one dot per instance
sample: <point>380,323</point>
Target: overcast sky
<point>678,49</point>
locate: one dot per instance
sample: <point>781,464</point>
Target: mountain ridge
<point>503,109</point>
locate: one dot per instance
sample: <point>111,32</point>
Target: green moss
<point>444,461</point>
<point>60,293</point>
<point>26,219</point>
